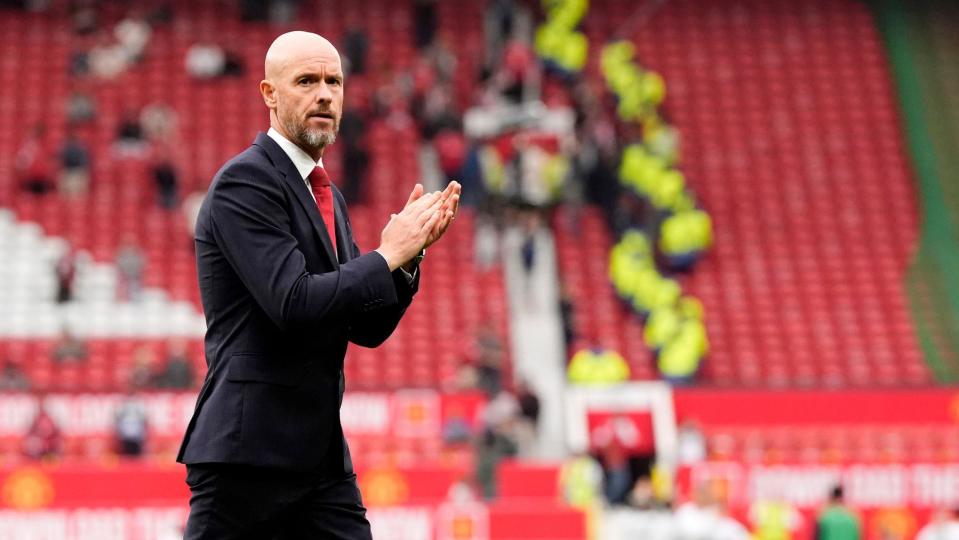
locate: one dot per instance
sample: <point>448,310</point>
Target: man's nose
<point>324,94</point>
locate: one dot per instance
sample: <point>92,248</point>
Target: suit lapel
<point>303,195</point>
<point>344,248</point>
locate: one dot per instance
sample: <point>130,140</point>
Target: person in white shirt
<point>942,526</point>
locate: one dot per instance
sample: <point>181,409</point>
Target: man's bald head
<point>292,46</point>
<point>303,88</point>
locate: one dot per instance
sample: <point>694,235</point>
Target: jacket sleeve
<point>251,225</point>
<point>373,329</point>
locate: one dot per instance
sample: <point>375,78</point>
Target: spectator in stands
<point>691,443</point>
<point>597,366</point>
<point>130,265</point>
<point>774,519</point>
<point>130,426</point>
<point>178,372</point>
<point>80,64</point>
<point>83,17</point>
<point>695,519</point>
<point>12,379</point>
<point>205,61</point>
<point>527,422</point>
<point>356,156</point>
<point>66,272</point>
<point>254,10</point>
<point>727,527</point>
<point>74,168</point>
<point>661,326</point>
<point>457,428</point>
<point>661,139</point>
<point>581,481</point>
<point>132,35</point>
<point>617,473</point>
<point>355,46</point>
<point>434,112</point>
<point>944,525</point>
<point>32,165</point>
<point>497,440</point>
<point>424,23</point>
<point>642,496</point>
<point>489,360</point>
<point>159,122</point>
<point>567,313</point>
<point>165,176</point>
<point>108,59</point>
<point>130,131</point>
<point>142,373</point>
<point>684,237</point>
<point>461,492</point>
<point>680,358</point>
<point>391,101</point>
<point>836,521</point>
<point>450,146</point>
<point>130,142</point>
<point>80,108</point>
<point>503,20</point>
<point>283,12</point>
<point>69,348</point>
<point>444,63</point>
<point>465,378</point>
<point>43,439</point>
<point>527,248</point>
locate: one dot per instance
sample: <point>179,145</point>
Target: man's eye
<point>303,81</point>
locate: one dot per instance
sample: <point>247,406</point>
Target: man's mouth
<point>328,116</point>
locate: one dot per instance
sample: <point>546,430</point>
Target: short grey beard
<point>316,138</point>
<point>308,137</point>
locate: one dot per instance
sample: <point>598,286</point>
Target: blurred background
<point>702,286</point>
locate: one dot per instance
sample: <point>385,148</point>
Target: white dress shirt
<point>301,160</point>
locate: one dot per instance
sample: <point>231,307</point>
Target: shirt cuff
<point>409,276</point>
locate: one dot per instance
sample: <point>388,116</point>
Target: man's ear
<point>268,91</point>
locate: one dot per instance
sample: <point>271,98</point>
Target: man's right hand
<point>407,232</point>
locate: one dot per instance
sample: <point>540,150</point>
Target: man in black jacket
<point>284,289</point>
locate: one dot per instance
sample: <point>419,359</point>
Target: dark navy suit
<point>280,309</point>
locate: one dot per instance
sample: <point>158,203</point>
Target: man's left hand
<point>451,202</point>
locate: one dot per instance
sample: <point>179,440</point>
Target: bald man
<point>284,290</point>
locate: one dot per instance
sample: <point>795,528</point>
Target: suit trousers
<point>240,502</point>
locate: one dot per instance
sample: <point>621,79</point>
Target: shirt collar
<point>301,160</point>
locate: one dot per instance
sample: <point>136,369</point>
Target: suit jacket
<point>280,310</point>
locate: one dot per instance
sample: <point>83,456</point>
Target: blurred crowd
<point>173,371</point>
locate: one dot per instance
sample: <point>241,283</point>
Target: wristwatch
<point>419,257</point>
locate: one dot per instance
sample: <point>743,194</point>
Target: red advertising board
<point>138,484</point>
<point>405,413</point>
<point>134,501</point>
<point>793,407</point>
<point>866,485</point>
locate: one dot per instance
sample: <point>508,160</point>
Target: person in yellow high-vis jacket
<point>597,366</point>
<point>684,236</point>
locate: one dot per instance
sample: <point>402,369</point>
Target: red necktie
<point>320,184</point>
